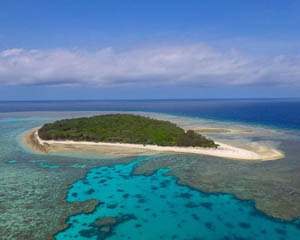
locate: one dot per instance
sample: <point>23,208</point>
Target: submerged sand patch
<point>222,130</point>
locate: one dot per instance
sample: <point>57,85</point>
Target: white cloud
<point>11,52</point>
<point>196,64</point>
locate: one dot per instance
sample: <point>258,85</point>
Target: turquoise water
<point>48,166</point>
<point>44,165</point>
<point>156,207</point>
<point>146,207</point>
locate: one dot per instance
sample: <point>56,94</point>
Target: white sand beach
<point>223,150</point>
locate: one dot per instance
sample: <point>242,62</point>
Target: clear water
<point>149,207</point>
<point>159,208</point>
<point>48,166</point>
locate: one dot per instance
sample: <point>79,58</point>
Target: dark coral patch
<point>244,225</point>
<point>280,231</point>
<point>207,205</point>
<point>84,181</point>
<point>104,228</point>
<point>210,226</point>
<point>112,206</point>
<point>89,233</point>
<point>102,181</point>
<point>126,195</point>
<point>191,205</point>
<point>90,191</point>
<point>142,200</point>
<point>165,183</point>
<point>241,210</point>
<point>298,225</point>
<point>74,194</point>
<point>185,195</point>
<point>195,217</point>
<point>162,196</point>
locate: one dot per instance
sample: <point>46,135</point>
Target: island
<point>131,134</point>
<point>124,128</point>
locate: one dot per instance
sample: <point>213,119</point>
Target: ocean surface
<point>283,113</point>
<point>143,206</point>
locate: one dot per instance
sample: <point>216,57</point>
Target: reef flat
<point>35,205</point>
<point>272,185</point>
<point>34,186</point>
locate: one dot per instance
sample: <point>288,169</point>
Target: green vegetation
<point>191,138</point>
<point>123,128</point>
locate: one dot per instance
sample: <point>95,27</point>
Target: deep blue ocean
<point>282,113</point>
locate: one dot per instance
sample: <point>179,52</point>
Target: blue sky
<point>63,49</point>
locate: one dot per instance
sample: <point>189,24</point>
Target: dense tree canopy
<point>123,128</point>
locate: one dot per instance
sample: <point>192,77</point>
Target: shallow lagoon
<point>156,207</point>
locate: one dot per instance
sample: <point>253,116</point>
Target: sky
<point>139,49</point>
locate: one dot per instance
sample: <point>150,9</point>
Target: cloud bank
<point>188,65</point>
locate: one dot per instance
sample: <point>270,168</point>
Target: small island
<point>123,128</point>
<point>130,134</point>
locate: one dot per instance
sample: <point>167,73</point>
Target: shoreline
<point>223,151</point>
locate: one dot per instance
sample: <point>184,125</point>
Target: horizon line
<point>152,99</point>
